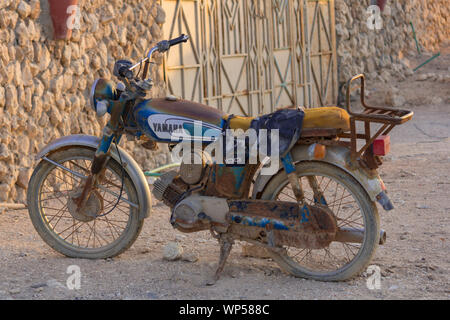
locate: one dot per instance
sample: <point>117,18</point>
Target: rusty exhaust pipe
<point>356,236</point>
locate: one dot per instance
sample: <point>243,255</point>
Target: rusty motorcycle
<point>316,216</point>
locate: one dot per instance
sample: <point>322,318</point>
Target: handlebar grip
<point>180,39</point>
<point>165,45</point>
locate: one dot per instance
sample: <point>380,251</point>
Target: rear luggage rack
<point>387,117</point>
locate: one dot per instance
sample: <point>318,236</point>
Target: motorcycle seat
<point>315,118</point>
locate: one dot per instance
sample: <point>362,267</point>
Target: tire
<point>46,171</point>
<point>369,215</point>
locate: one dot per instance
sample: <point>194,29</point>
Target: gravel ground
<point>414,262</point>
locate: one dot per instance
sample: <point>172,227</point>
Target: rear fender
<point>131,167</point>
<point>339,157</point>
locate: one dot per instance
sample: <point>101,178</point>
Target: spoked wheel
<point>353,210</point>
<point>102,229</point>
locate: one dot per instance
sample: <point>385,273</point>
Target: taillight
<point>382,146</point>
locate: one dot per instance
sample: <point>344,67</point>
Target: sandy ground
<point>414,263</point>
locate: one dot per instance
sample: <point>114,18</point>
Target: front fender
<point>339,157</point>
<point>131,167</point>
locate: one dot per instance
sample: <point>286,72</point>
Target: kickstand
<point>226,243</point>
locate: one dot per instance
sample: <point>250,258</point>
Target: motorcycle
<point>316,215</point>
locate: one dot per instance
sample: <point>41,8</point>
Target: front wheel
<point>95,232</point>
<point>352,209</point>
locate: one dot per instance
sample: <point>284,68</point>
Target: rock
<point>15,291</point>
<point>436,100</point>
<point>160,15</point>
<point>152,295</point>
<point>56,84</point>
<point>122,35</point>
<point>66,56</point>
<point>394,99</point>
<point>11,99</point>
<point>425,76</point>
<point>27,77</point>
<point>156,31</point>
<point>4,191</point>
<point>24,9</point>
<point>2,97</point>
<point>3,294</point>
<point>172,251</point>
<point>393,288</point>
<point>180,237</point>
<point>43,58</point>
<point>53,283</point>
<point>38,285</point>
<point>189,257</point>
<point>23,178</point>
<point>35,9</point>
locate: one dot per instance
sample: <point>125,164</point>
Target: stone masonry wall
<point>44,84</point>
<point>380,54</point>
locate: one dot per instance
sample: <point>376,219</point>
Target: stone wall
<point>381,53</point>
<point>44,84</point>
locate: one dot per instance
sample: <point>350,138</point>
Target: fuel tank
<point>169,120</point>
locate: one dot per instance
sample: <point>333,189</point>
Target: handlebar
<point>180,39</point>
<point>165,45</point>
<point>162,47</point>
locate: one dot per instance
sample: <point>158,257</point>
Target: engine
<point>170,189</point>
<point>190,213</point>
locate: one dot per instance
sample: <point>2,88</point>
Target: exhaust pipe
<point>356,236</point>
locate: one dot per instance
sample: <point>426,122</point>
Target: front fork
<point>98,166</point>
<point>111,133</point>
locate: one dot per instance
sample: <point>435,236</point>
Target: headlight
<point>102,91</point>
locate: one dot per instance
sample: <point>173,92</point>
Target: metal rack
<point>388,117</point>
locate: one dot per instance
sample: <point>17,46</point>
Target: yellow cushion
<point>327,117</point>
<point>315,118</point>
<point>241,123</point>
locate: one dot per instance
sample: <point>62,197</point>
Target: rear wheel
<point>352,209</point>
<point>95,232</point>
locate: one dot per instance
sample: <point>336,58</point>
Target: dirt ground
<point>415,261</point>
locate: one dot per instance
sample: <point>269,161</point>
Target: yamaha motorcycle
<point>316,215</point>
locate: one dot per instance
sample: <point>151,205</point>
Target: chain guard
<point>315,231</point>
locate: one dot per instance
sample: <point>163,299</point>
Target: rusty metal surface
<point>387,117</point>
<point>283,223</point>
<point>231,184</point>
<point>350,235</point>
<point>320,132</point>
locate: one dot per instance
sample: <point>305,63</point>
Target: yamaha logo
<point>167,127</point>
